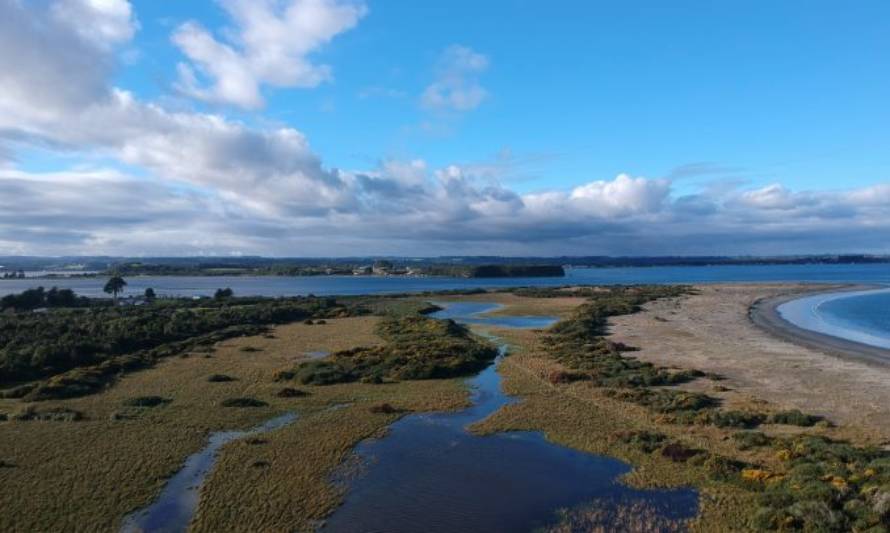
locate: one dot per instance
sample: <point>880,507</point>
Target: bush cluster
<point>417,347</point>
<point>829,486</point>
<point>79,350</point>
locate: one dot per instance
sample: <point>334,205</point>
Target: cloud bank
<point>187,182</point>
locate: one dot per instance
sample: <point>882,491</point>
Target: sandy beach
<point>734,330</point>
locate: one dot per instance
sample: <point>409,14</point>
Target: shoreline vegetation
<point>15,268</point>
<point>756,465</point>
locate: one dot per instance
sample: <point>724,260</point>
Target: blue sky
<point>765,122</point>
<point>790,91</point>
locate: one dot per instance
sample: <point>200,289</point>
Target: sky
<point>384,127</point>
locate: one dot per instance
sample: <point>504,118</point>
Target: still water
<point>859,316</point>
<point>429,474</point>
<point>174,508</point>
<point>351,285</point>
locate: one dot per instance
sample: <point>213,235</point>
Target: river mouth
<point>174,508</point>
<point>429,474</point>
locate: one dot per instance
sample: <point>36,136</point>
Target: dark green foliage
<point>322,373</point>
<point>223,294</point>
<point>219,378</point>
<point>646,441</point>
<point>736,419</point>
<point>795,417</point>
<point>678,453</point>
<point>288,392</point>
<point>515,271</point>
<point>720,468</point>
<point>746,440</point>
<point>115,285</point>
<point>90,379</point>
<point>417,347</point>
<point>35,346</point>
<point>383,408</point>
<point>830,486</point>
<point>53,414</point>
<point>243,402</point>
<point>578,342</point>
<point>668,401</point>
<point>147,401</point>
<point>36,298</point>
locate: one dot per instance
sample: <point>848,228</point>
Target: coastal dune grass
<point>621,407</point>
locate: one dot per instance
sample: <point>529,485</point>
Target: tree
<point>114,286</point>
<point>150,294</point>
<point>222,294</point>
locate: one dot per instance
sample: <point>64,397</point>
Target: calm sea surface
<point>350,285</point>
<point>861,316</point>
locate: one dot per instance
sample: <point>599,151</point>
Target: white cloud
<point>208,184</point>
<point>270,43</point>
<point>105,23</point>
<point>457,87</point>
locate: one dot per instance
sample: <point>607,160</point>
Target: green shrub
<point>417,347</point>
<point>147,401</point>
<point>288,392</point>
<point>678,453</point>
<point>243,402</point>
<point>40,346</point>
<point>736,419</point>
<point>383,408</point>
<point>219,378</point>
<point>665,400</point>
<point>249,349</point>
<point>745,440</point>
<point>646,441</point>
<point>795,417</point>
<point>53,414</point>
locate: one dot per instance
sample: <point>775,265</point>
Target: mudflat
<point>761,358</point>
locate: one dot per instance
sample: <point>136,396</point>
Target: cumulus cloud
<point>205,184</point>
<point>457,86</point>
<point>270,44</point>
<point>111,21</point>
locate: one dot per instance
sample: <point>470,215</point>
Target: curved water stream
<point>174,508</point>
<point>429,474</point>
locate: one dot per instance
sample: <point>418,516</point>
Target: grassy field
<point>86,475</point>
<point>795,472</point>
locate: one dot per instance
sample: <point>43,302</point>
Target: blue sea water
<point>862,317</point>
<point>351,285</point>
<point>859,316</point>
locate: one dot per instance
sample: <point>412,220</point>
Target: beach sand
<point>762,357</point>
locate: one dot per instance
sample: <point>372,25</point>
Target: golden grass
<point>88,475</point>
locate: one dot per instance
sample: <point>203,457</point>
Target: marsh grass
<point>753,481</point>
<point>416,348</point>
<point>608,516</point>
<point>86,476</point>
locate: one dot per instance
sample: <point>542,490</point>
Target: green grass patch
<point>417,347</point>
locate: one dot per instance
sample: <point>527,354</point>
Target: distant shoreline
<point>765,314</point>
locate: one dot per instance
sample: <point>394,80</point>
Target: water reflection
<point>174,508</point>
<point>429,474</point>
